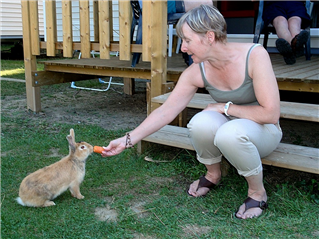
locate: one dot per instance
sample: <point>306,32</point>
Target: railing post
<point>158,47</point>
<point>30,64</point>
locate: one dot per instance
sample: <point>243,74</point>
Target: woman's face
<point>194,44</point>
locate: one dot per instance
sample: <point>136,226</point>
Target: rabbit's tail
<point>19,200</point>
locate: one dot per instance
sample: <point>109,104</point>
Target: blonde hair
<point>203,19</point>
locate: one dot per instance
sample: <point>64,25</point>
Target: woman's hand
<point>218,107</point>
<point>115,147</point>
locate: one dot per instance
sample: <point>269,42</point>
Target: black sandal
<point>285,49</point>
<point>298,42</point>
<point>251,203</point>
<point>204,183</point>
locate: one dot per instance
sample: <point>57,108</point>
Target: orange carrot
<point>98,149</point>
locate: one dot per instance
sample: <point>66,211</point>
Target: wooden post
<point>105,29</point>
<point>67,28</point>
<point>146,48</point>
<point>30,64</point>
<point>50,13</point>
<point>34,21</point>
<point>125,13</point>
<point>158,48</point>
<point>85,29</point>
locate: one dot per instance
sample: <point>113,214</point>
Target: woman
<point>243,126</point>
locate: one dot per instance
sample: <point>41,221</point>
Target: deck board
<point>304,73</point>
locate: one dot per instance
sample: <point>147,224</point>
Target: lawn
<point>128,197</point>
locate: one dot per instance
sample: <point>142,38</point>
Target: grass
<point>148,198</point>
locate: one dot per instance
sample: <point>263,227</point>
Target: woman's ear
<point>210,37</point>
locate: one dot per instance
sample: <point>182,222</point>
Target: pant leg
<point>243,142</point>
<point>203,127</point>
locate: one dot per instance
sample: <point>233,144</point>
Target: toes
<point>193,188</point>
<point>252,212</point>
<point>240,211</point>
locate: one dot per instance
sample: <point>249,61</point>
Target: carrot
<point>98,149</point>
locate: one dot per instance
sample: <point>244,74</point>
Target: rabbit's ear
<point>71,140</point>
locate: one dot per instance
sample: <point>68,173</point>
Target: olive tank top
<point>244,95</point>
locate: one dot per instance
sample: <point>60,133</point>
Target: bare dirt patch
<point>111,110</point>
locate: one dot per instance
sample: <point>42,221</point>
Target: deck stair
<point>286,155</point>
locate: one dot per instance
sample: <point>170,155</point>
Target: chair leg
<point>265,39</point>
<point>170,39</point>
<point>307,50</point>
<point>136,56</point>
<point>179,43</point>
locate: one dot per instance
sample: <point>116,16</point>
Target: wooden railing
<point>153,48</point>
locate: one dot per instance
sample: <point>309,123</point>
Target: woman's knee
<point>206,121</point>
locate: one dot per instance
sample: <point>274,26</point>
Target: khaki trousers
<point>241,141</point>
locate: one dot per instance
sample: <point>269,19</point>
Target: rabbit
<point>41,187</point>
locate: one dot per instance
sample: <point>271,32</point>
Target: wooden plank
<point>99,72</point>
<point>67,28</point>
<point>294,157</point>
<point>298,86</point>
<point>159,51</point>
<point>286,155</point>
<point>41,78</point>
<point>125,14</point>
<point>30,64</point>
<point>288,110</point>
<point>299,111</point>
<point>34,21</point>
<point>129,85</point>
<point>146,37</point>
<point>50,16</point>
<point>85,29</point>
<point>105,29</point>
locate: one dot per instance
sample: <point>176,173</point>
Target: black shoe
<point>298,42</point>
<point>285,49</point>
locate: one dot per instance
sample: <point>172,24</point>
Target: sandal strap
<point>250,203</point>
<point>203,182</point>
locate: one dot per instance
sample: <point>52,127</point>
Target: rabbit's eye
<point>82,147</point>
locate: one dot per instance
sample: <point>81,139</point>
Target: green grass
<point>149,198</point>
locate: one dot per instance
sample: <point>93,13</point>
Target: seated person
<point>288,18</point>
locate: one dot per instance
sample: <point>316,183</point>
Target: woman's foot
<point>202,186</point>
<point>252,207</point>
<point>285,49</point>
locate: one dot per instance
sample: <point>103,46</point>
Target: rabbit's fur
<point>41,187</point>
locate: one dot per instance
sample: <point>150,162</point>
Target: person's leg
<point>256,191</point>
<point>294,26</point>
<point>284,39</point>
<point>299,37</point>
<point>203,127</point>
<point>281,25</point>
<point>243,142</point>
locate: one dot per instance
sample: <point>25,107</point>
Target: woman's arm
<point>166,113</point>
<point>266,91</point>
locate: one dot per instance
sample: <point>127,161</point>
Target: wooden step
<point>288,110</point>
<point>286,155</point>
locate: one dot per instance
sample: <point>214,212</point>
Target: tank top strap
<point>247,58</point>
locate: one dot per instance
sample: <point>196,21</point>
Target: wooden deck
<point>302,76</point>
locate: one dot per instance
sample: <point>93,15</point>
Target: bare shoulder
<point>192,75</point>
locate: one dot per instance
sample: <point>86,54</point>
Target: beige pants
<point>242,142</point>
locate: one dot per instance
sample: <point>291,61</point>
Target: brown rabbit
<point>41,187</point>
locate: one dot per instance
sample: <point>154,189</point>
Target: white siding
<point>11,19</point>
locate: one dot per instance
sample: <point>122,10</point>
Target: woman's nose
<point>183,47</point>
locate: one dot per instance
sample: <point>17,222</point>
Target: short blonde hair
<point>203,19</point>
